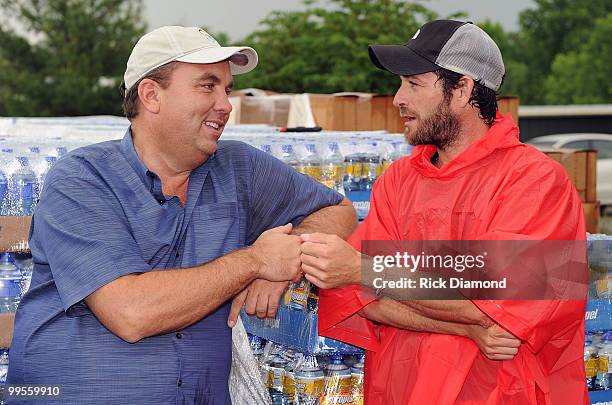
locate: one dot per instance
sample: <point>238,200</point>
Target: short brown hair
<point>130,99</point>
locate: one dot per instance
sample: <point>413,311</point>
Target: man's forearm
<point>459,311</point>
<point>134,306</point>
<point>338,219</point>
<point>396,314</point>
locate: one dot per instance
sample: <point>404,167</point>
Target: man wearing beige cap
<point>141,244</point>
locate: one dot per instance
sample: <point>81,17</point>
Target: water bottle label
<point>26,189</point>
<point>289,386</point>
<point>275,378</point>
<point>309,387</point>
<point>338,391</point>
<point>354,169</point>
<point>264,376</point>
<point>591,366</point>
<point>603,364</point>
<point>312,171</point>
<point>371,170</point>
<point>10,288</point>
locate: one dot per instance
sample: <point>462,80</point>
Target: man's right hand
<point>495,342</point>
<point>278,253</point>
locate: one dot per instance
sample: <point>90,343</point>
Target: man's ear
<point>463,91</point>
<point>149,95</point>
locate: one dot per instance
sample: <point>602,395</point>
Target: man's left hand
<point>261,297</point>
<point>328,261</point>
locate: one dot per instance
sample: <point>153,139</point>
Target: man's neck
<point>469,133</point>
<point>174,178</point>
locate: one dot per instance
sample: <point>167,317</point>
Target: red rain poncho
<point>497,189</point>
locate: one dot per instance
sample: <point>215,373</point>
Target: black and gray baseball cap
<point>458,46</point>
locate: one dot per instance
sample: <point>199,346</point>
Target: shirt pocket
<point>214,231</point>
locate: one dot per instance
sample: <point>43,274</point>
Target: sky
<point>238,18</point>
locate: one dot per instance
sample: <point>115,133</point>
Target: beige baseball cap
<point>183,44</point>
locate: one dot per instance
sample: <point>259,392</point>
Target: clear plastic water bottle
<point>310,165</point>
<point>590,361</point>
<point>276,377</point>
<point>10,283</point>
<point>266,147</point>
<point>604,373</point>
<point>313,299</point>
<point>288,156</point>
<point>22,184</point>
<point>295,360</point>
<point>7,165</point>
<point>357,381</point>
<point>309,382</point>
<point>60,151</point>
<point>25,264</point>
<point>296,296</point>
<point>3,185</point>
<point>353,169</point>
<point>371,170</point>
<point>41,168</point>
<point>4,363</point>
<point>338,388</point>
<point>398,150</point>
<point>331,168</point>
<point>257,347</point>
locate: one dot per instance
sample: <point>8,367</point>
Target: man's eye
<point>208,86</point>
<point>413,84</point>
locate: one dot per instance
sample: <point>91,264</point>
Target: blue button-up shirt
<point>102,215</point>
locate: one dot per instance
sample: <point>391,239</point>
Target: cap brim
<point>214,55</point>
<point>400,60</point>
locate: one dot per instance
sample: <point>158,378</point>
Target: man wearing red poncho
<point>468,178</point>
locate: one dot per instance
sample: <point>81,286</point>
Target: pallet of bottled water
<point>598,340</point>
<point>292,377</point>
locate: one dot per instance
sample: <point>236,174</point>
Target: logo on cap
<point>416,34</point>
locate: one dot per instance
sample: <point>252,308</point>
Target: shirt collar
<point>127,146</point>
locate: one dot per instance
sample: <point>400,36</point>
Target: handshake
<point>325,260</point>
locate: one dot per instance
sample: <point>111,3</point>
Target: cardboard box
<point>6,328</point>
<point>272,110</point>
<point>14,233</point>
<point>591,176</point>
<point>509,105</point>
<point>591,216</point>
<point>371,112</point>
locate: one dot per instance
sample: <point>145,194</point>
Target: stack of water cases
<point>28,149</point>
<point>598,340</point>
<point>294,377</point>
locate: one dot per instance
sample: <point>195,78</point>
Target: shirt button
<point>179,335</point>
<point>179,383</point>
<point>161,202</point>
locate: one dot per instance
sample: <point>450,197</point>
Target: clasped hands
<point>327,261</point>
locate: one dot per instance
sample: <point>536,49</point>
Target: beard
<point>440,128</point>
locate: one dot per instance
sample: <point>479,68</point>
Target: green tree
<point>553,27</point>
<point>583,76</point>
<point>324,50</point>
<point>65,57</point>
